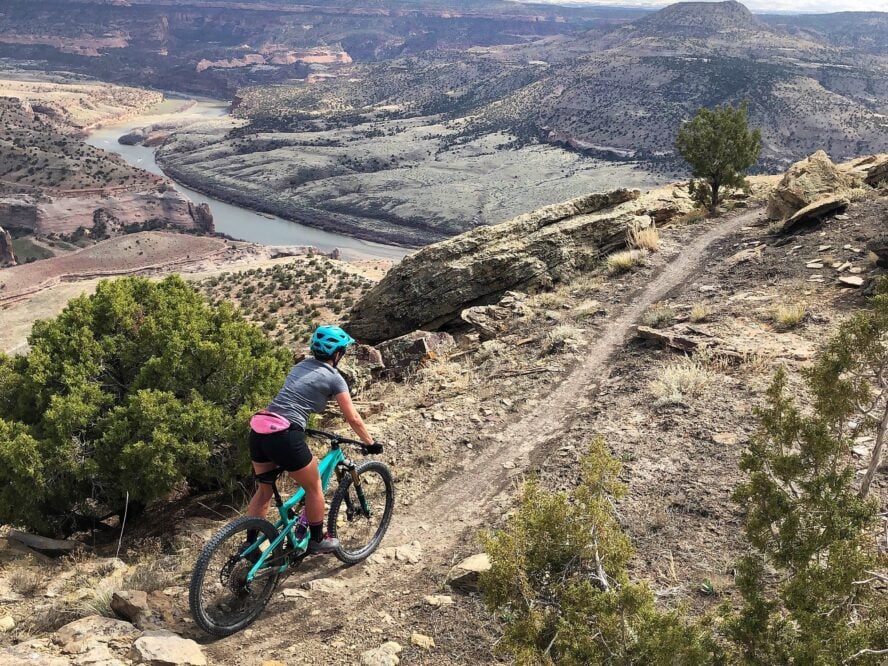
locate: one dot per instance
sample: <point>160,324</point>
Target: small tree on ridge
<point>720,147</point>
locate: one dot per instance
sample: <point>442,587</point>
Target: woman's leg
<point>258,506</point>
<point>310,479</point>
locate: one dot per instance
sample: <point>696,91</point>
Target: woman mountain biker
<point>277,434</point>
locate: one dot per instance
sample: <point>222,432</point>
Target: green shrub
<point>558,578</point>
<point>808,519</point>
<point>133,390</point>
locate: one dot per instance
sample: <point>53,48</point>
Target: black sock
<point>252,535</point>
<point>317,531</point>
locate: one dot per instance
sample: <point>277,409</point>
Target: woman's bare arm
<point>354,419</point>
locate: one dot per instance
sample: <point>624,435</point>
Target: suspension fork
<point>350,509</point>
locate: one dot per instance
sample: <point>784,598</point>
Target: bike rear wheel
<point>360,522</point>
<point>222,601</point>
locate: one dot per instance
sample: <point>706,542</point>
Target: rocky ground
<point>525,384</point>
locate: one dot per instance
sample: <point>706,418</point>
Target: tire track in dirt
<point>464,500</point>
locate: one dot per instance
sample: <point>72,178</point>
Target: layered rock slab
<point>432,286</point>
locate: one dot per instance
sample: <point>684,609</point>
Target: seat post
<point>277,496</point>
<point>270,478</point>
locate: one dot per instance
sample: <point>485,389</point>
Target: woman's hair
<point>321,356</point>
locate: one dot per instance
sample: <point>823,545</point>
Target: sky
<point>757,6</point>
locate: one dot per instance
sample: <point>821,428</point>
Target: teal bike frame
<point>289,516</point>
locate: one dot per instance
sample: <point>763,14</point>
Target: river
<point>235,221</point>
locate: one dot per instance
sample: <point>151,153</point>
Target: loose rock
<point>384,655</point>
<point>421,640</point>
<point>164,648</point>
<point>438,600</point>
<point>325,585</point>
<point>465,575</point>
<point>851,281</point>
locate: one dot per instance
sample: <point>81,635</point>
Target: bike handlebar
<point>335,439</point>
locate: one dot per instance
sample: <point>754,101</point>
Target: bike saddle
<point>270,476</point>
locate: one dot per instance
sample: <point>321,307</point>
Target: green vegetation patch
<point>128,394</point>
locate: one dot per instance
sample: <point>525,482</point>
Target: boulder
<point>133,605</point>
<point>361,366</point>
<point>164,648</point>
<point>877,175</point>
<point>6,624</point>
<point>464,576</point>
<point>879,247</point>
<point>7,256</point>
<point>492,320</point>
<point>93,628</point>
<point>806,182</point>
<point>407,353</point>
<point>55,547</point>
<point>384,655</point>
<point>816,211</point>
<point>432,286</point>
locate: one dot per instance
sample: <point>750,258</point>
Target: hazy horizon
<point>757,6</point>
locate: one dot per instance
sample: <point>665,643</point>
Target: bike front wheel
<point>359,516</point>
<point>222,601</point>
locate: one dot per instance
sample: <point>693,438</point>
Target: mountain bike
<point>233,579</point>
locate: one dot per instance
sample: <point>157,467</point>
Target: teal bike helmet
<point>327,340</point>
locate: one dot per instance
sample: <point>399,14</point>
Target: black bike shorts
<point>286,449</point>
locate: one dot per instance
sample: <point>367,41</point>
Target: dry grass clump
<point>98,604</point>
<point>586,309</point>
<point>700,312</point>
<point>624,261</point>
<point>24,580</point>
<point>693,217</point>
<point>676,382</point>
<point>553,299</point>
<point>658,316</point>
<point>563,337</point>
<point>644,238</point>
<point>789,315</point>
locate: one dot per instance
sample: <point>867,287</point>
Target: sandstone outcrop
<point>432,286</point>
<point>877,175</point>
<point>64,214</point>
<point>493,320</point>
<point>7,256</point>
<point>407,353</point>
<point>806,182</point>
<point>815,211</point>
<point>202,216</point>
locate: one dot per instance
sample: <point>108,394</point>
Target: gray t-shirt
<point>308,387</point>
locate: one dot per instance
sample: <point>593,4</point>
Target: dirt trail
<point>465,499</point>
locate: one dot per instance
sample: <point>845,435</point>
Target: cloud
<point>758,6</point>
